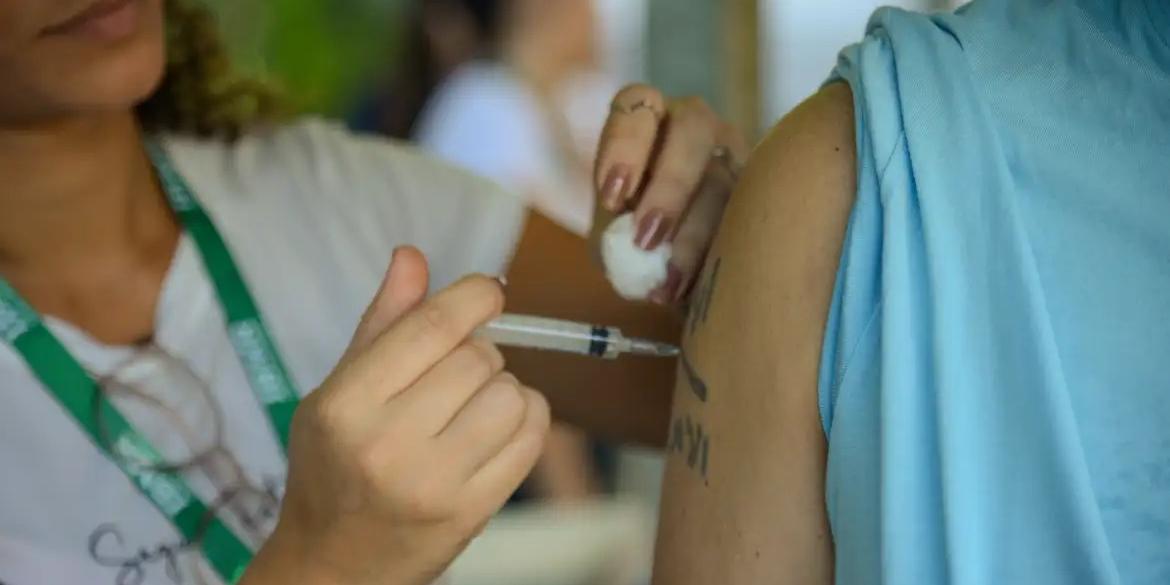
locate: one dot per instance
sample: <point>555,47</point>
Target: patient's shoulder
<point>748,454</point>
<point>816,137</point>
<point>799,184</point>
<point>777,250</point>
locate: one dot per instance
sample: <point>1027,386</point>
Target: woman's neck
<point>85,231</point>
<point>77,192</point>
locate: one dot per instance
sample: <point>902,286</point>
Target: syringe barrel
<point>552,334</point>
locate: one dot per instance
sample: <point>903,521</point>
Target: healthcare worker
<point>181,268</point>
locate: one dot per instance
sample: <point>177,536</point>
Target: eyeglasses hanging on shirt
<point>177,412</point>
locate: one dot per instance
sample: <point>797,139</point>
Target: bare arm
<point>744,488</point>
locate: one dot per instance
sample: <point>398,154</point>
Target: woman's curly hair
<point>201,93</point>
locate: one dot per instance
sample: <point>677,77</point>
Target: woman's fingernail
<point>653,230</point>
<point>659,297</point>
<point>613,192</point>
<point>669,291</point>
<point>503,280</point>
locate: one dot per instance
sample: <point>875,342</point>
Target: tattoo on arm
<point>701,303</point>
<point>698,386</point>
<point>688,439</point>
<point>698,317</point>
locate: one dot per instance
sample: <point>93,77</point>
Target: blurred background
<point>516,90</point>
<point>754,59</point>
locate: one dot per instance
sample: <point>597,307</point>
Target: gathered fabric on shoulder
<point>993,383</point>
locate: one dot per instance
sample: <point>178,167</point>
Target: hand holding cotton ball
<point>633,272</point>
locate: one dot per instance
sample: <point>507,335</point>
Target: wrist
<point>285,559</point>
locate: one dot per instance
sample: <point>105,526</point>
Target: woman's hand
<point>673,163</point>
<point>412,444</point>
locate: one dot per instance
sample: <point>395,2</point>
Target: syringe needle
<point>647,347</point>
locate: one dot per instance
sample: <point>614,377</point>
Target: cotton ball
<point>632,271</point>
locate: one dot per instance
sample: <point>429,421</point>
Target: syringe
<point>569,336</point>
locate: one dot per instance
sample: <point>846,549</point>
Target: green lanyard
<point>67,381</point>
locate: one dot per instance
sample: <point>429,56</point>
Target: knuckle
<point>695,115</point>
<point>371,462</point>
<point>507,379</point>
<point>325,411</point>
<point>485,292</point>
<point>505,400</point>
<point>427,499</point>
<point>674,181</point>
<point>538,409</point>
<point>506,386</point>
<point>483,356</point>
<point>696,106</point>
<point>435,322</point>
<point>628,136</point>
<point>730,134</point>
<point>700,131</point>
<point>417,493</point>
<point>639,90</point>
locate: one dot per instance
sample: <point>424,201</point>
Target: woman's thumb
<point>403,287</point>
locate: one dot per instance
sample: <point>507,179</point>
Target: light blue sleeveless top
<point>995,381</point>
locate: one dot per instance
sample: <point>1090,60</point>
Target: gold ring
<point>726,158</point>
<point>640,105</point>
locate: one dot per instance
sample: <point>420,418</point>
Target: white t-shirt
<point>485,119</point>
<point>311,215</point>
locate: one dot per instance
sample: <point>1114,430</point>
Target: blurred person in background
<point>503,115</point>
<point>441,36</point>
<point>181,263</point>
<point>489,84</point>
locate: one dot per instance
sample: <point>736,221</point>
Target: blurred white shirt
<point>486,119</point>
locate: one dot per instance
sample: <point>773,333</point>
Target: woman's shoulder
<point>321,168</point>
<point>315,182</point>
<point>311,155</point>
